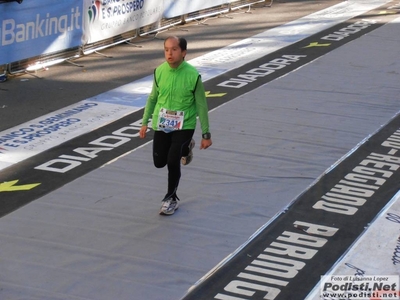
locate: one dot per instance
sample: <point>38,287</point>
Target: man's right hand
<point>143,131</point>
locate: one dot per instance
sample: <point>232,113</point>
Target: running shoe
<point>169,206</point>
<point>185,160</point>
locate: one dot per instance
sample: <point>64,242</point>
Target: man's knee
<point>159,162</point>
<point>159,165</point>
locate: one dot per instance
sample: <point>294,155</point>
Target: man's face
<point>173,53</point>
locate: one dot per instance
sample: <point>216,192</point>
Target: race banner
<point>33,28</point>
<point>106,19</point>
<point>31,138</point>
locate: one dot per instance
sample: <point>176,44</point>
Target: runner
<point>176,99</point>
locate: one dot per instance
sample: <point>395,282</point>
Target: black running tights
<point>168,149</point>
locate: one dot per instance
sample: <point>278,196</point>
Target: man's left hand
<point>205,143</point>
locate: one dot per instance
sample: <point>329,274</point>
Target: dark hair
<point>181,42</point>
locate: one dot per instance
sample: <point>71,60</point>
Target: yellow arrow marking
<point>385,12</point>
<point>8,186</point>
<point>208,95</point>
<point>315,44</point>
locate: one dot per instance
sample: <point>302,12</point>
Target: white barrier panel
<point>34,28</point>
<point>174,8</point>
<point>106,19</point>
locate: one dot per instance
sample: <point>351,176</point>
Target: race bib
<point>170,120</point>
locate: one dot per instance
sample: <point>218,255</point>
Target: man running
<point>176,99</point>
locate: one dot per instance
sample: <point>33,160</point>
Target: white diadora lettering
<point>278,263</point>
<point>349,30</point>
<point>12,32</point>
<point>261,71</point>
<point>65,163</point>
<point>363,181</point>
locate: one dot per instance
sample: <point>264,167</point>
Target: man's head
<point>175,50</point>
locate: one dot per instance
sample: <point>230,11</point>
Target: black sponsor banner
<point>286,259</point>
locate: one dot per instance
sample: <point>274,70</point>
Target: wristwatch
<point>206,136</point>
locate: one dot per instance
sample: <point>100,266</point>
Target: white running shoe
<point>185,160</point>
<point>169,206</point>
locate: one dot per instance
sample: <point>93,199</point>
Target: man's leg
<point>178,140</point>
<point>179,144</point>
<point>161,145</point>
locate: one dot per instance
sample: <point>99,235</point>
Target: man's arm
<point>202,112</point>
<point>149,108</point>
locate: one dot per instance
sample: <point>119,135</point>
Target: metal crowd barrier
<point>34,64</point>
<point>41,62</point>
<point>3,73</point>
<point>110,42</point>
<point>205,13</point>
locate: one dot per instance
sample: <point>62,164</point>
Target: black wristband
<point>206,136</point>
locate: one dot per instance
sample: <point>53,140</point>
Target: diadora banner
<point>107,18</point>
<point>33,28</point>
